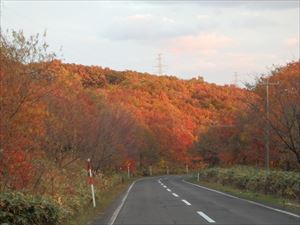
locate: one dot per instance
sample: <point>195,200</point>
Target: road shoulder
<point>267,201</point>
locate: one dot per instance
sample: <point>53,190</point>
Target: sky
<point>212,39</point>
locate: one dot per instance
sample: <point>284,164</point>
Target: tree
<point>25,80</point>
<point>284,100</point>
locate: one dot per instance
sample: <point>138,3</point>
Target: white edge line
<point>206,217</point>
<point>186,202</point>
<point>249,201</point>
<point>117,211</point>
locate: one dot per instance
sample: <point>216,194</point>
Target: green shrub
<point>20,209</point>
<point>279,183</point>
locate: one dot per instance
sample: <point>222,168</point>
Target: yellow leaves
<point>162,163</point>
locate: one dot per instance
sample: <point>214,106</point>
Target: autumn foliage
<point>55,114</point>
<point>244,142</point>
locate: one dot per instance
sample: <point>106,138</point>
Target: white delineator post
<point>128,171</point>
<point>198,177</point>
<point>91,182</point>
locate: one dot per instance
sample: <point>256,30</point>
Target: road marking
<point>168,190</point>
<point>165,186</point>
<point>206,217</point>
<point>117,211</point>
<point>176,195</point>
<point>249,201</point>
<point>186,202</point>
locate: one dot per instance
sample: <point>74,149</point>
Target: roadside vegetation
<point>276,188</point>
<point>70,203</point>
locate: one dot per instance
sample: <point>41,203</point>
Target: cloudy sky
<point>213,39</point>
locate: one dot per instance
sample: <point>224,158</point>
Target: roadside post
<point>128,170</point>
<point>150,169</point>
<point>198,177</point>
<point>121,175</point>
<point>91,181</point>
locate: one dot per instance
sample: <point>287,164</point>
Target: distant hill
<point>175,110</point>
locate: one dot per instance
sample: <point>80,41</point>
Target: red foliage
<point>18,169</point>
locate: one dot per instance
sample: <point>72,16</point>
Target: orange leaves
<point>239,133</point>
<point>129,163</point>
<point>17,168</point>
<point>74,111</point>
<point>174,110</point>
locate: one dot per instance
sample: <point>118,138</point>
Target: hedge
<point>20,209</point>
<point>279,183</point>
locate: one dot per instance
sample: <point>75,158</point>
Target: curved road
<point>171,200</point>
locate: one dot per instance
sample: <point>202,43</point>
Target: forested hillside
<point>63,113</point>
<point>171,111</point>
<point>273,115</point>
<point>194,122</point>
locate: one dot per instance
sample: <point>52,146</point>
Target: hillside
<point>65,113</point>
<point>174,110</point>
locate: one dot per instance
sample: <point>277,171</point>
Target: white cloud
<point>142,27</point>
<point>137,18</point>
<point>204,42</point>
<point>292,42</point>
<point>203,17</point>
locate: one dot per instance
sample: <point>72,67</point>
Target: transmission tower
<point>235,82</point>
<point>159,64</point>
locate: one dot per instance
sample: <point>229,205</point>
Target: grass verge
<point>103,200</point>
<point>269,200</point>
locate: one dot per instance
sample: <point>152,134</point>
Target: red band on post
<point>90,180</point>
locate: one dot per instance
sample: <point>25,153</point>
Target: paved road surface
<point>170,200</point>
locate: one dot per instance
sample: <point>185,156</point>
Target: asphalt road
<point>171,200</point>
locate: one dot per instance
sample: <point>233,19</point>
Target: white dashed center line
<point>202,214</point>
<point>176,195</point>
<point>186,202</point>
<point>207,218</point>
